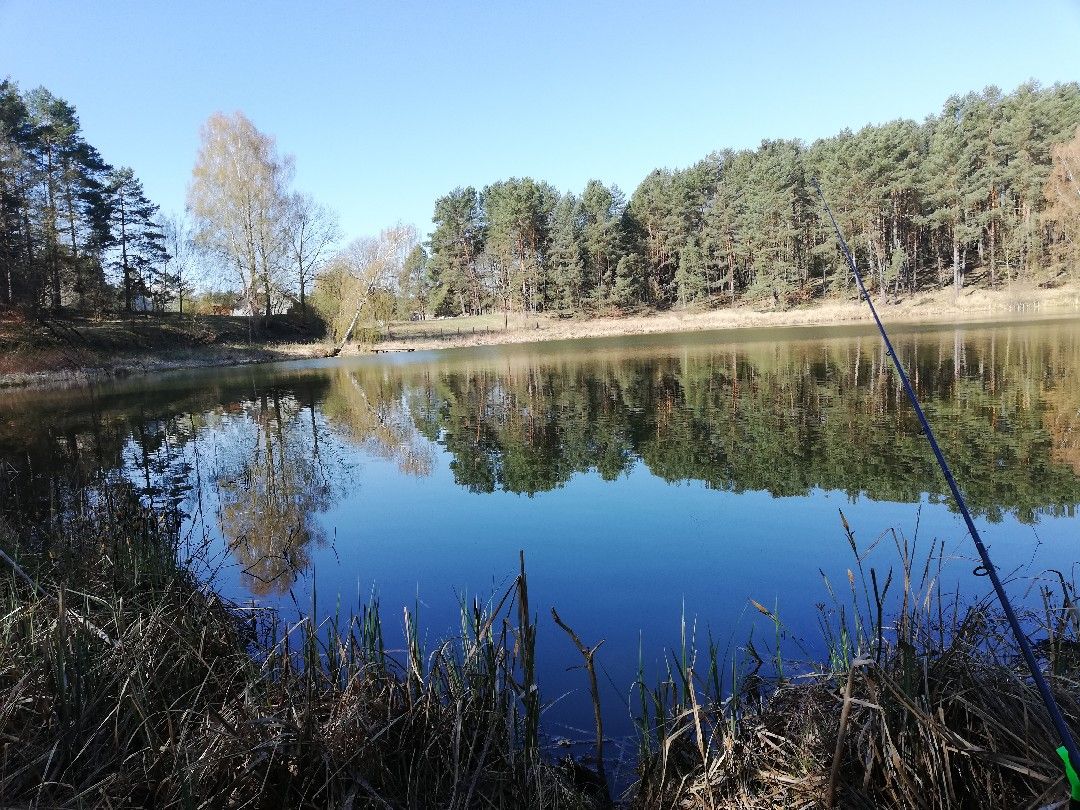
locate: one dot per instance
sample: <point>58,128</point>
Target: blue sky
<point>388,105</point>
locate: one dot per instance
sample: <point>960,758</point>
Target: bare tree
<point>237,197</point>
<point>371,264</point>
<point>183,262</point>
<point>310,231</point>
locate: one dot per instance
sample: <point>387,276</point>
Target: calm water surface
<point>646,479</point>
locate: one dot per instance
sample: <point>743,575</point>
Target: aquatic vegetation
<point>928,705</point>
<point>125,680</point>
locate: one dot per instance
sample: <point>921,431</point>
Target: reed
<point>126,682</point>
<point>933,708</point>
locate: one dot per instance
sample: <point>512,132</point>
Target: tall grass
<point>932,707</point>
<point>124,682</point>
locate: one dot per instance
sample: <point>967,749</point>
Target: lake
<point>655,484</point>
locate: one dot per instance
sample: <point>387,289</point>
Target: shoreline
<point>937,307</point>
<point>125,366</point>
<point>940,306</point>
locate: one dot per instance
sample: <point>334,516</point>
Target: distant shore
<point>72,352</point>
<point>157,362</point>
<point>48,366</point>
<point>939,306</point>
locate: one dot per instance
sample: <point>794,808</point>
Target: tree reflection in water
<point>265,454</point>
<point>270,493</point>
<point>289,467</point>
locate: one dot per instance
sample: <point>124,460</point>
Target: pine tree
<point>568,255</point>
<point>1062,195</point>
<point>139,243</point>
<point>629,276</point>
<point>17,239</point>
<point>456,244</point>
<point>74,226</point>
<point>603,237</point>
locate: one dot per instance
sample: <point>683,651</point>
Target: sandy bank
<point>935,307</point>
<point>940,306</point>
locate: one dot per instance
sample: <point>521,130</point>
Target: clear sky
<point>387,105</point>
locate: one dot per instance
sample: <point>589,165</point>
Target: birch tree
<point>183,259</point>
<point>370,264</point>
<point>310,232</point>
<point>238,201</point>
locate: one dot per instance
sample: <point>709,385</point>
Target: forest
<point>982,194</point>
<point>78,235</point>
<point>75,232</point>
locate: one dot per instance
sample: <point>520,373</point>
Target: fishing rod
<point>1067,751</point>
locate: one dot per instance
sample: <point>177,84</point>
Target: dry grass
<point>939,306</point>
<point>934,710</point>
<point>126,683</point>
<point>56,352</point>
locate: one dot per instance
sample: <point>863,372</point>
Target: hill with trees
<point>981,194</point>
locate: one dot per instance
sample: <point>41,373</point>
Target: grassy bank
<point>57,351</point>
<point>125,682</point>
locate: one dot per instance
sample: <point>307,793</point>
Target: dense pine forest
<point>981,195</point>
<point>75,232</point>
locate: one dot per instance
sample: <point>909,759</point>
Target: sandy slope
<point>940,306</point>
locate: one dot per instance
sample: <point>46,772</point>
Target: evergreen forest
<point>982,194</point>
<point>76,233</point>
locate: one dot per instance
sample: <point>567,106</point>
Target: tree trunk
<point>50,231</point>
<point>958,276</point>
<point>915,266</point>
<point>993,254</point>
<point>79,291</point>
<point>124,256</point>
<point>352,325</point>
<point>29,248</point>
<point>348,333</point>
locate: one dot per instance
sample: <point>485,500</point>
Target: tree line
<point>75,231</point>
<point>79,234</point>
<point>980,194</point>
<point>984,193</point>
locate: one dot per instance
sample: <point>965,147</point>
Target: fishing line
<point>1067,751</point>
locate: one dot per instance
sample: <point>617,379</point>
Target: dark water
<point>648,480</point>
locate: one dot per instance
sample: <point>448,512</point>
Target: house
<point>241,308</point>
<point>279,302</point>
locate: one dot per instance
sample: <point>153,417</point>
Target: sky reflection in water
<point>645,479</point>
